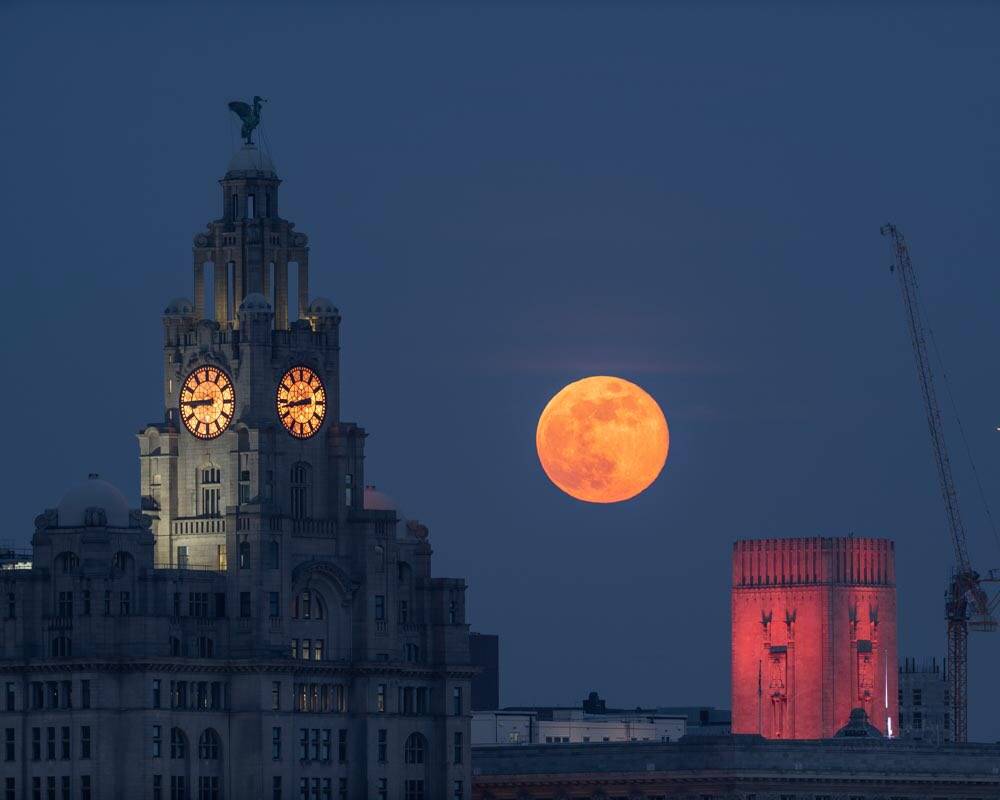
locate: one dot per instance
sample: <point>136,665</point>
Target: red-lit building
<point>814,636</point>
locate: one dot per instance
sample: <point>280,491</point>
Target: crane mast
<point>966,603</point>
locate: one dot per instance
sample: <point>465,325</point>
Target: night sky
<point>505,198</point>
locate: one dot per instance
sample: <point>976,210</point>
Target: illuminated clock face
<point>207,402</point>
<point>301,402</point>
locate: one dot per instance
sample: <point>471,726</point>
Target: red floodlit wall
<point>814,636</point>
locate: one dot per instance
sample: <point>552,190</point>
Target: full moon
<point>602,439</point>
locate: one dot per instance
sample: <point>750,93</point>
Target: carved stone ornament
<point>48,519</point>
<point>95,517</point>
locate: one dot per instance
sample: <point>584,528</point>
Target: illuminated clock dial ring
<point>207,402</point>
<point>301,402</point>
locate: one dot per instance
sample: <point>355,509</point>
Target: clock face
<point>207,402</point>
<point>301,402</point>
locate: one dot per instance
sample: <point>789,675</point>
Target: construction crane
<point>967,604</point>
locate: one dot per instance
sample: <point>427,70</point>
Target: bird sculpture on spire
<point>250,115</point>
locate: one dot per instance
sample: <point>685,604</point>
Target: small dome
<point>94,493</point>
<point>321,307</point>
<point>179,307</point>
<point>250,159</point>
<point>255,302</point>
<point>378,501</point>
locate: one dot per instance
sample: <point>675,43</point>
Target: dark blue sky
<point>504,199</point>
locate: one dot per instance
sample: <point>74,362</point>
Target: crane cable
<point>961,427</point>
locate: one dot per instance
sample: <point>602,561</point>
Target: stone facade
<point>814,635</point>
<point>745,767</point>
<point>262,627</point>
<point>924,701</point>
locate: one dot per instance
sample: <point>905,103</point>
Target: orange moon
<point>602,439</point>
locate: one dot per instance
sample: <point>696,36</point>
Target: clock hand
<point>295,403</point>
<point>196,403</point>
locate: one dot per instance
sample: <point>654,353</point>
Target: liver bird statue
<point>250,116</point>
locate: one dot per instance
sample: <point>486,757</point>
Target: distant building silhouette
<point>484,650</point>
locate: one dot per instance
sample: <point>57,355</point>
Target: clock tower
<point>251,466</point>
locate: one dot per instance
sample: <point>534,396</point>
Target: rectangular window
<point>341,789</point>
<point>276,695</point>
<point>37,694</point>
<point>157,749</point>
<point>85,694</point>
<point>918,720</point>
<point>244,604</point>
<point>456,701</point>
<point>11,605</point>
<point>304,744</point>
<point>220,557</point>
<point>64,783</point>
<point>107,602</point>
<point>342,746</point>
<point>156,693</point>
<point>36,788</point>
<point>918,697</point>
<point>457,748</point>
<point>157,787</point>
<point>383,788</point>
<point>404,612</point>
<point>383,745</point>
<point>11,696</point>
<point>380,607</point>
<point>86,602</point>
<point>125,604</point>
<point>380,699</point>
<point>326,744</point>
<point>413,790</point>
<point>315,744</point>
<point>348,490</point>
<point>10,789</point>
<point>217,696</point>
<point>52,694</point>
<point>276,787</point>
<point>317,653</point>
<point>458,792</point>
<point>84,741</point>
<point>9,749</point>
<point>274,604</point>
<point>198,604</point>
<point>182,556</point>
<point>422,700</point>
<point>250,208</point>
<point>36,744</point>
<point>50,743</point>
<point>65,604</point>
<point>220,605</point>
<point>65,746</point>
<point>178,788</point>
<point>66,694</point>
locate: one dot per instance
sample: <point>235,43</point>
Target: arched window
<point>208,745</point>
<point>178,743</point>
<point>67,562</point>
<point>308,605</point>
<point>62,647</point>
<point>413,750</point>
<point>301,483</point>
<point>273,555</point>
<point>210,482</point>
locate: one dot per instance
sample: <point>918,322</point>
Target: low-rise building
<point>740,767</point>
